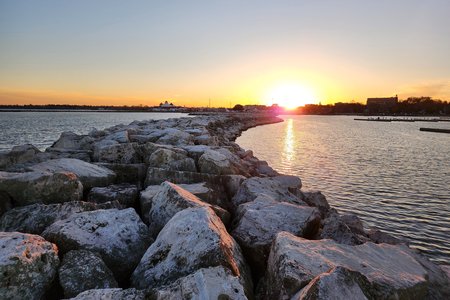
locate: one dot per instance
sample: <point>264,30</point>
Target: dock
<point>440,130</point>
<point>411,119</point>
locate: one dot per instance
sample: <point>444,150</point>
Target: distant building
<point>166,104</point>
<point>381,105</point>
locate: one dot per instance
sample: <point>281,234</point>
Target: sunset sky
<point>248,52</point>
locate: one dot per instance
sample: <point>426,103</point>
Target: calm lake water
<point>43,128</point>
<point>392,175</point>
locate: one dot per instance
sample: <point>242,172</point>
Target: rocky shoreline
<point>175,209</point>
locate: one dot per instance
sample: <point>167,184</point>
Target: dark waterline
<point>392,175</point>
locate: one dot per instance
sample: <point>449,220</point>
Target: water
<point>392,175</point>
<point>43,128</point>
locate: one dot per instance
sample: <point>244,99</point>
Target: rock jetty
<point>175,209</point>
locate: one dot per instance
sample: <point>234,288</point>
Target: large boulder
<point>176,137</point>
<point>72,141</point>
<point>209,283</point>
<point>17,155</point>
<point>111,294</point>
<point>294,262</point>
<point>110,151</point>
<point>316,199</point>
<point>196,151</point>
<point>206,192</point>
<point>214,162</point>
<point>119,136</point>
<point>40,187</point>
<point>83,270</point>
<point>36,217</point>
<point>28,264</point>
<point>338,283</point>
<point>194,238</point>
<point>171,160</point>
<point>172,199</point>
<point>126,194</point>
<point>89,174</point>
<point>206,139</point>
<point>146,150</point>
<point>345,229</point>
<point>289,181</point>
<point>377,236</point>
<point>119,236</point>
<point>255,186</point>
<point>258,222</point>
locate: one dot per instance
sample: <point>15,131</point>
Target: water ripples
<point>393,176</point>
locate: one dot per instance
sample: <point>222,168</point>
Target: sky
<point>196,53</point>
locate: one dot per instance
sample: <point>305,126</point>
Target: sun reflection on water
<point>288,155</point>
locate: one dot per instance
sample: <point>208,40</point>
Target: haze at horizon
<point>142,52</point>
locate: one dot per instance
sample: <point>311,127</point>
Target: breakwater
<point>176,209</point>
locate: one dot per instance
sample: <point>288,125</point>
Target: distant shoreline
<point>199,112</point>
<point>87,110</point>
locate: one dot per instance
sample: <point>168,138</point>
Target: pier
<point>406,119</point>
<point>440,130</point>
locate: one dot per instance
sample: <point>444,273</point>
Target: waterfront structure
<point>381,105</point>
<point>166,104</point>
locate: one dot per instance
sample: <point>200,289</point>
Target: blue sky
<point>232,51</point>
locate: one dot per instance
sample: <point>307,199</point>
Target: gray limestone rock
<point>335,227</point>
<point>294,262</point>
<point>289,181</point>
<point>89,174</point>
<point>111,294</point>
<point>214,162</point>
<point>196,151</point>
<point>18,155</point>
<point>28,264</point>
<point>126,194</point>
<point>317,199</point>
<point>379,237</point>
<point>83,270</point>
<point>209,283</point>
<point>72,141</point>
<point>258,222</point>
<point>171,199</point>
<point>206,139</point>
<point>202,190</point>
<point>176,137</point>
<point>36,217</point>
<point>194,238</point>
<point>255,186</point>
<point>114,152</point>
<point>40,187</point>
<point>119,136</point>
<point>119,236</point>
<point>171,160</point>
<point>338,283</point>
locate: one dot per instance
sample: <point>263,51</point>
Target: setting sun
<point>291,95</point>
